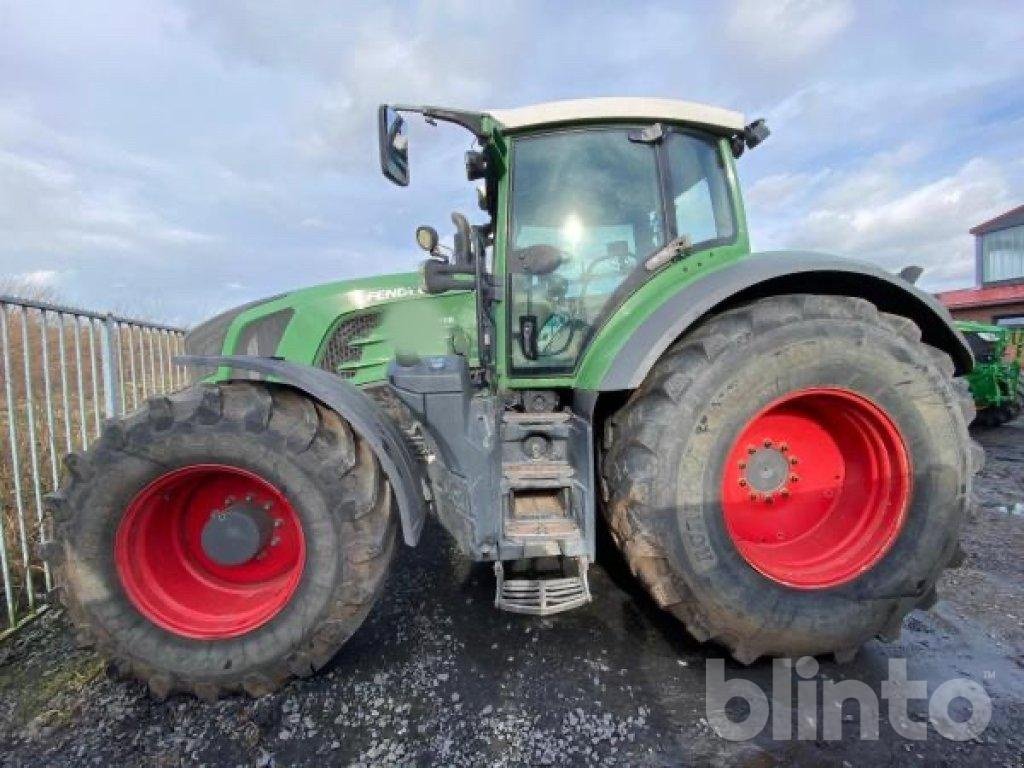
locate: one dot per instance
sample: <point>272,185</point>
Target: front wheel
<point>223,538</point>
<point>792,476</point>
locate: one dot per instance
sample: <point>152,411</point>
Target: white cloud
<point>785,31</point>
<point>40,278</point>
<point>176,146</point>
<point>875,213</point>
<point>778,191</point>
<point>387,65</point>
<point>48,205</point>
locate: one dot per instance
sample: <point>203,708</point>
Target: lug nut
<point>743,483</point>
<point>767,443</point>
<point>784,492</point>
<point>751,449</point>
<point>783,447</point>
<point>275,541</point>
<point>794,478</point>
<point>743,465</point>
<point>278,522</point>
<point>753,497</point>
<point>769,498</point>
<point>794,460</point>
<point>267,506</point>
<point>248,497</point>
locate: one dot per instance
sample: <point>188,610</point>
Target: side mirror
<point>394,146</point>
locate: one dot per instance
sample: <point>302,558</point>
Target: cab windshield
<point>588,207</point>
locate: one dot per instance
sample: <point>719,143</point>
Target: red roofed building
<point>998,295</point>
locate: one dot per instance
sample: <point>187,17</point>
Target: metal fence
<point>64,371</point>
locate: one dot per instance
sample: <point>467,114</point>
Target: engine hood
<point>297,326</point>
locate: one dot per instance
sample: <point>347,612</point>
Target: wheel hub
<point>766,470</point>
<point>815,488</point>
<point>210,551</point>
<point>237,534</point>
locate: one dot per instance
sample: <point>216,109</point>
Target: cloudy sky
<point>171,158</point>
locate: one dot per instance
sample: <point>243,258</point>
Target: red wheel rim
<point>175,583</point>
<point>816,487</point>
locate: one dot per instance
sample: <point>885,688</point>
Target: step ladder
<point>543,511</point>
<point>540,509</point>
<point>542,596</point>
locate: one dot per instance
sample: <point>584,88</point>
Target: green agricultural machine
<point>776,441</point>
<point>996,383</point>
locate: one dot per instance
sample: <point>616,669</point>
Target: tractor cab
<point>588,204</point>
<point>587,201</point>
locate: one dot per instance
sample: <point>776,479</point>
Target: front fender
<point>396,457</point>
<point>772,274</point>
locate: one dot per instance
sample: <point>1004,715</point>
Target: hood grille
<point>339,348</point>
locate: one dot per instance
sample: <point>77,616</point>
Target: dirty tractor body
<point>995,382</point>
<point>776,441</point>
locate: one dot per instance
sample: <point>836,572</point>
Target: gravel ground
<point>437,676</point>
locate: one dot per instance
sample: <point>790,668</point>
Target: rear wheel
<point>223,538</point>
<point>792,476</point>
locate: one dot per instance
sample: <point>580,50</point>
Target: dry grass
<point>70,421</point>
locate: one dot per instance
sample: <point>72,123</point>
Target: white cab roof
<point>626,108</point>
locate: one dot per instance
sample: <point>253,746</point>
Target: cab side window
<point>699,189</point>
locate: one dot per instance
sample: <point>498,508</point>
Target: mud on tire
<point>663,461</point>
<point>329,476</point>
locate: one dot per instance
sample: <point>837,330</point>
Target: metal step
<point>543,528</point>
<point>542,597</point>
<point>534,473</point>
<point>541,520</point>
<point>534,419</point>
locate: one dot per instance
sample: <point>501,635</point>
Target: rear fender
<point>774,274</point>
<point>381,432</point>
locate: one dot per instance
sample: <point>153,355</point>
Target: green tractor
<point>996,383</point>
<point>775,441</point>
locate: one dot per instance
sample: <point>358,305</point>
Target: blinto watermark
<point>897,690</point>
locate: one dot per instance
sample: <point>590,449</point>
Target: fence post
<point>111,378</point>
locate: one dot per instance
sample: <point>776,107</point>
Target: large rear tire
<point>222,538</point>
<point>792,476</point>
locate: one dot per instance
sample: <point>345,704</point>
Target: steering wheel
<point>556,334</point>
<point>560,327</point>
<point>538,260</point>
